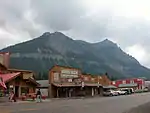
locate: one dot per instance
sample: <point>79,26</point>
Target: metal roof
<point>43,83</point>
<point>109,87</point>
<point>9,76</point>
<point>128,85</point>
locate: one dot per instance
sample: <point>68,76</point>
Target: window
<point>123,82</point>
<point>86,78</point>
<point>69,80</point>
<point>56,77</point>
<point>92,79</point>
<point>132,82</point>
<point>113,82</point>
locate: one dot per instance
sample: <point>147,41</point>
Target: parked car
<point>110,93</point>
<point>122,92</point>
<point>128,90</point>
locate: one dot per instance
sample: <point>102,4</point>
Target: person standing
<point>12,97</point>
<point>39,96</point>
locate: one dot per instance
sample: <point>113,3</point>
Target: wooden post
<point>57,93</point>
<point>92,92</point>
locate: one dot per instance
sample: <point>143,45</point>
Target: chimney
<point>5,59</point>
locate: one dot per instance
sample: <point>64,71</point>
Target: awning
<point>7,77</point>
<point>66,84</point>
<point>109,87</point>
<point>75,85</point>
<point>92,84</point>
<point>127,85</point>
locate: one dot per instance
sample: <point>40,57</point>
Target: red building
<point>135,83</point>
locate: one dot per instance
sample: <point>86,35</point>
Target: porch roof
<point>127,85</point>
<point>7,77</point>
<point>66,84</point>
<point>92,84</point>
<point>75,85</point>
<point>109,87</point>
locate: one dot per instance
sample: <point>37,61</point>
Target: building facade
<point>64,81</point>
<point>22,82</point>
<point>70,82</point>
<point>135,83</point>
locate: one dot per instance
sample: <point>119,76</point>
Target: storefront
<point>69,82</point>
<point>15,82</point>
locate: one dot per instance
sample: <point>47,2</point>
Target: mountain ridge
<point>56,48</point>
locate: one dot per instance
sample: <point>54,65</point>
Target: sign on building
<point>56,77</point>
<point>69,73</point>
<point>82,84</point>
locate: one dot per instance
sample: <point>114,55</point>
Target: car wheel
<point>111,95</point>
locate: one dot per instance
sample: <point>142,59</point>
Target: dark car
<point>128,91</point>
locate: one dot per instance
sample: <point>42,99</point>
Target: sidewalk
<point>3,99</point>
<point>30,101</point>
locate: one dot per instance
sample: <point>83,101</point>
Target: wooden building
<point>16,82</point>
<point>64,81</point>
<point>22,82</point>
<point>2,70</point>
<point>70,82</point>
<point>91,85</point>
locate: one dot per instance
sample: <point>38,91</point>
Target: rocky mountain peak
<point>46,34</point>
<point>108,42</point>
<point>57,48</point>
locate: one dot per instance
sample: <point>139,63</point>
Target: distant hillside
<point>41,53</point>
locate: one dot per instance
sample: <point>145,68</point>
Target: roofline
<point>92,75</point>
<point>4,52</point>
<point>13,77</point>
<point>128,79</point>
<point>34,81</point>
<point>11,69</point>
<point>64,67</point>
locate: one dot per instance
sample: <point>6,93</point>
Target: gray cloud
<point>56,14</point>
<point>23,20</point>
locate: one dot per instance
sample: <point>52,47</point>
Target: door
<point>17,91</point>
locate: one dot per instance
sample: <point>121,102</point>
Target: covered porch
<point>65,90</point>
<point>15,82</point>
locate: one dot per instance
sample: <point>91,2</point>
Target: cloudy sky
<point>126,22</point>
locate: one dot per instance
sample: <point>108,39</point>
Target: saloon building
<point>70,82</point>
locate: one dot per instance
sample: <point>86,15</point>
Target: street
<point>118,104</point>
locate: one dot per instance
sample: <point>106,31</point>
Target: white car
<point>121,92</point>
<point>114,93</point>
<point>110,93</point>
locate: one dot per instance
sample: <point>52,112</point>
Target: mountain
<point>41,53</point>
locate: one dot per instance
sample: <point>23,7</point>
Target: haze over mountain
<point>41,53</point>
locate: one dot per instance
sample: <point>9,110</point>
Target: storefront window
<point>24,90</point>
<point>123,82</point>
